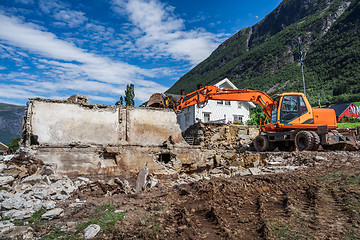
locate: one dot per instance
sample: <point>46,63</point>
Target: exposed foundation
<point>84,139</point>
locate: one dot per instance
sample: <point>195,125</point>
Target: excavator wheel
<point>304,140</point>
<point>261,143</point>
<point>316,141</point>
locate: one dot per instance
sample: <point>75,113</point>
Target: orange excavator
<point>293,122</point>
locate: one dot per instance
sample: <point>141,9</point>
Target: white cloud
<point>71,18</point>
<point>60,11</point>
<point>25,1</point>
<point>69,64</point>
<point>162,33</point>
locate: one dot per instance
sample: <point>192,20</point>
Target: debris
<point>91,231</point>
<point>48,205</point>
<point>141,180</point>
<point>4,180</point>
<point>255,171</point>
<point>52,214</point>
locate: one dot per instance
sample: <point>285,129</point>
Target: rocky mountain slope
<point>10,121</point>
<point>266,55</point>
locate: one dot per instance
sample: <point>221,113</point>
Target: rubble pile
<point>217,136</point>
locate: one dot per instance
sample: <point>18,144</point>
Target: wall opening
<point>165,157</point>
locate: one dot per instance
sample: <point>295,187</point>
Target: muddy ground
<point>321,201</point>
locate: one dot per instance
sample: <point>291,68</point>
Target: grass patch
<point>331,177</point>
<point>283,232</point>
<point>34,221</point>
<point>153,229</point>
<point>349,125</point>
<point>57,233</point>
<point>105,217</point>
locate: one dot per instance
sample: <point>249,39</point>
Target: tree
<point>129,95</point>
<point>14,144</point>
<point>121,101</point>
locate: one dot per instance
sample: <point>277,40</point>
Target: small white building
<point>216,111</point>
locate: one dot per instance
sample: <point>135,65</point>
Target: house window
<point>238,118</point>
<point>227,103</point>
<point>206,117</point>
<point>239,104</point>
<point>219,102</point>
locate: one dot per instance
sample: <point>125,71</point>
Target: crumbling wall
<point>63,123</point>
<point>78,138</point>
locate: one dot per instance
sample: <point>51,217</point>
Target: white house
<point>216,111</point>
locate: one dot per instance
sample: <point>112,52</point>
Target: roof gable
<point>225,83</point>
<point>340,108</point>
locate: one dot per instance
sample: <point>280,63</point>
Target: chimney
<point>182,92</point>
<point>199,86</point>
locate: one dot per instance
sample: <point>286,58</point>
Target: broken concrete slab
<point>141,180</point>
<point>4,180</point>
<point>52,214</point>
<point>91,231</point>
<point>255,171</point>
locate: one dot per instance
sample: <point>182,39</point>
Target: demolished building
<point>78,138</point>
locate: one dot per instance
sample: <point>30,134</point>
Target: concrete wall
<point>152,126</point>
<point>63,123</point>
<point>58,123</point>
<point>92,140</point>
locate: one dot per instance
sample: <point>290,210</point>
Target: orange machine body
<point>287,111</point>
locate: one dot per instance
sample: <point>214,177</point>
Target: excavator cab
<point>292,107</point>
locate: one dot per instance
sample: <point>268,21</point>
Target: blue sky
<point>57,48</point>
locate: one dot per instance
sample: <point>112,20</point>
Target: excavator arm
<point>215,93</point>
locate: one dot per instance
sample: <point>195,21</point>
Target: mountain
<point>266,56</point>
<point>10,121</point>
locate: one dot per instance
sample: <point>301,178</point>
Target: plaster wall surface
<point>61,123</point>
<point>92,140</point>
<point>152,126</point>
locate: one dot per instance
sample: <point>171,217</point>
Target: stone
<point>52,214</point>
<point>91,231</point>
<point>216,171</point>
<point>33,179</point>
<point>152,182</point>
<point>245,173</point>
<point>34,204</point>
<point>215,137</point>
<point>6,180</point>
<point>255,171</point>
<point>256,163</point>
<point>14,202</point>
<point>19,214</point>
<point>319,158</point>
<point>46,170</point>
<point>141,179</point>
<point>48,205</point>
<point>19,232</point>
<point>2,167</point>
<point>5,226</point>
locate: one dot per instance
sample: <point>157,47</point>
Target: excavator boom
<point>215,93</point>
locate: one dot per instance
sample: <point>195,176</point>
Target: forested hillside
<point>266,56</point>
<point>10,121</point>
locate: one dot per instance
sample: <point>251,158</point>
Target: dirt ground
<point>321,201</point>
